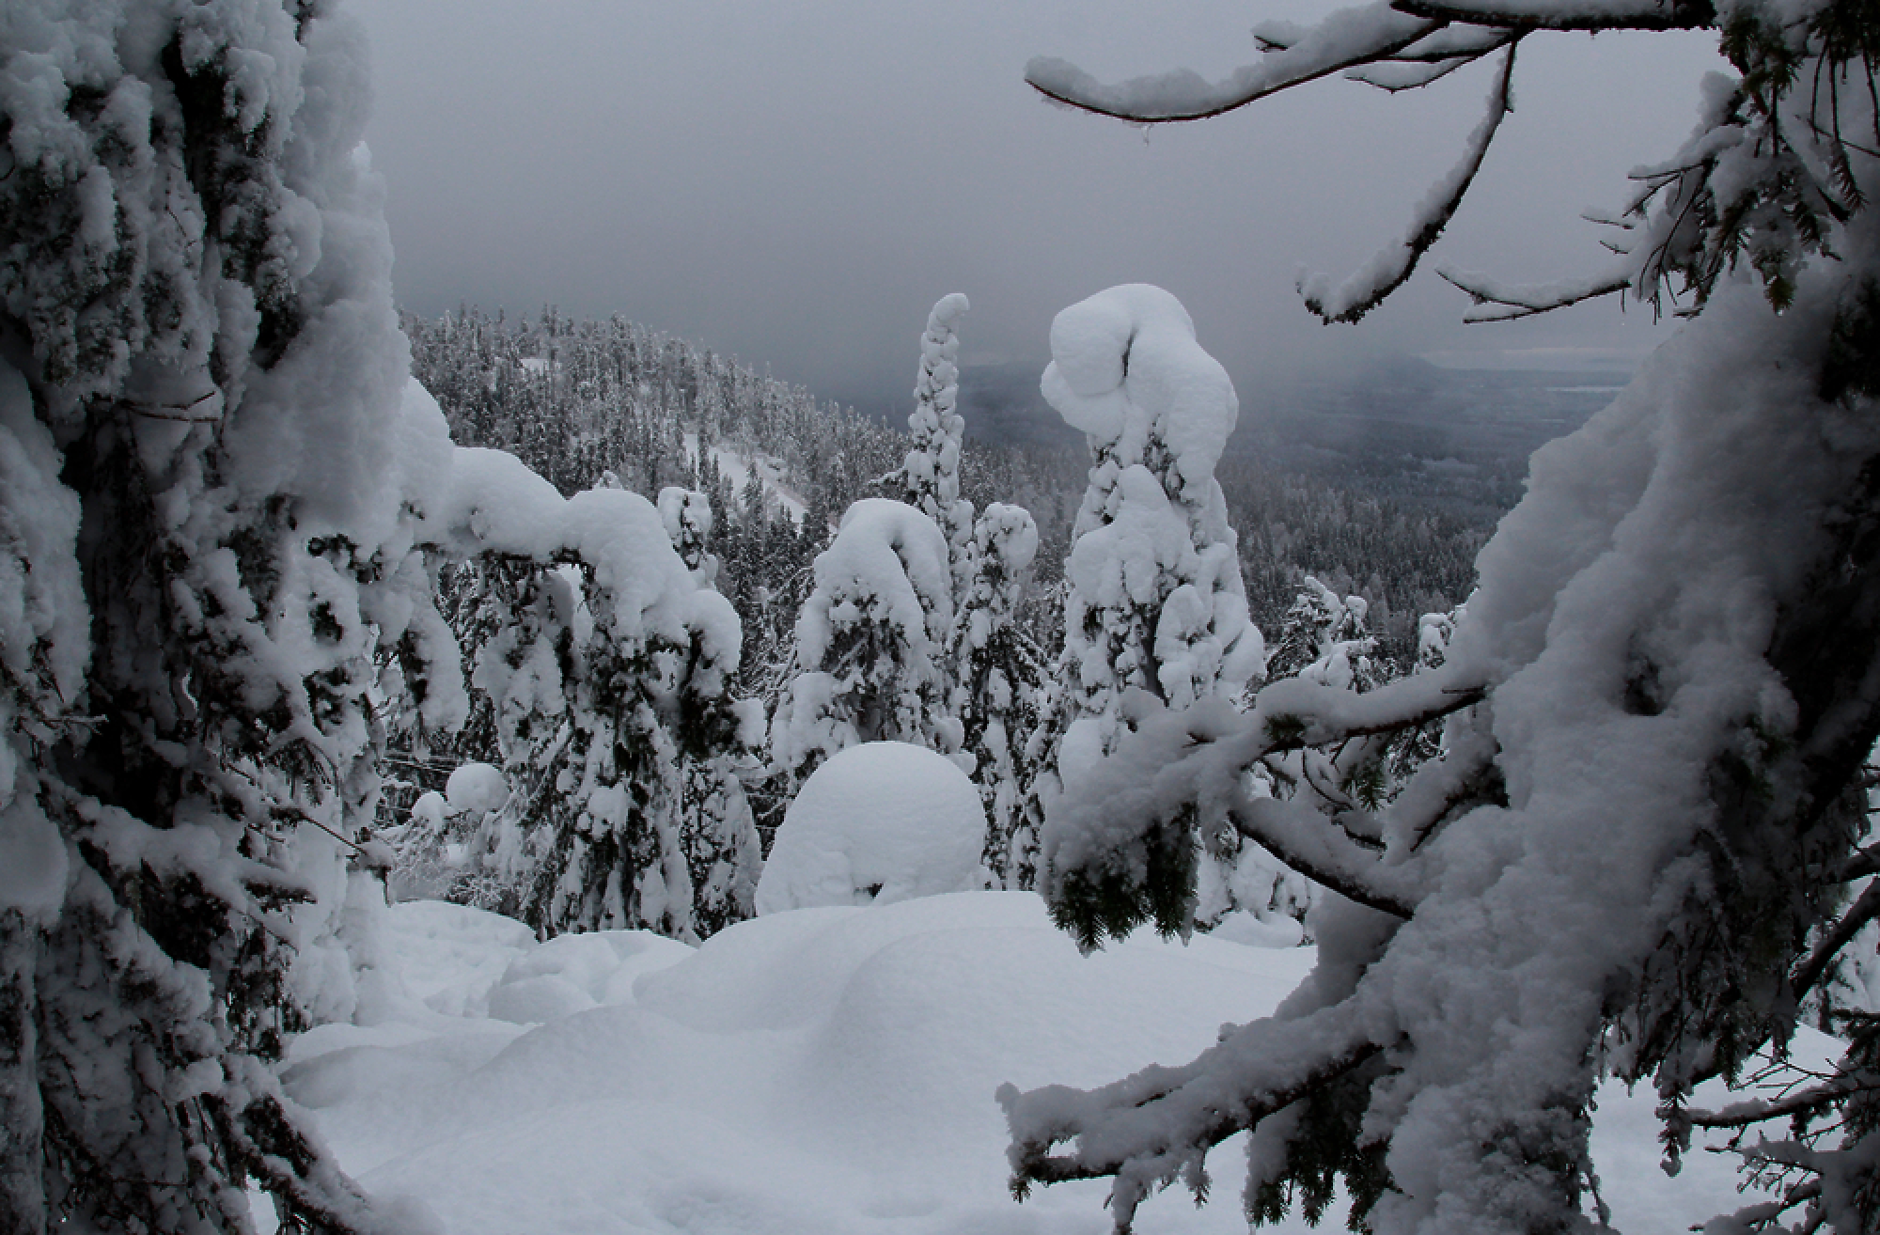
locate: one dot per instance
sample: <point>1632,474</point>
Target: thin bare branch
<point>1511,303</point>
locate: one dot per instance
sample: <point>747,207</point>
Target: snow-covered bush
<point>870,642</point>
<point>432,847</point>
<point>1325,638</point>
<point>1635,855</point>
<point>879,822</point>
<point>687,516</point>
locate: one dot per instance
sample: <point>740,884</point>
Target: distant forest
<point>1383,482</point>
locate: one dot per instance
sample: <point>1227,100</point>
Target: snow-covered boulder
<point>879,822</point>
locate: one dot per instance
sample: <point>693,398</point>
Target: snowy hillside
<point>826,1070</point>
<point>737,467</point>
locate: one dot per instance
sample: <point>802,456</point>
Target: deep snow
<point>827,1070</point>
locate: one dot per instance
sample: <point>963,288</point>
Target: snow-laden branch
<point>1813,1099</point>
<point>1391,267</point>
<point>1393,76</point>
<point>1179,768</point>
<point>1150,1128</point>
<point>1589,15</point>
<point>1346,39</point>
<point>1863,911</point>
<point>1300,837</point>
<point>1501,302</point>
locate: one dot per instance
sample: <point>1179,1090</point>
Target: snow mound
<point>572,973</point>
<point>825,1069</point>
<point>880,822</point>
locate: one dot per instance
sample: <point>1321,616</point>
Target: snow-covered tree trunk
<point>194,288</point>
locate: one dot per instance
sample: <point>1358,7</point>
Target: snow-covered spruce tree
<point>194,287</point>
<point>611,675</point>
<point>870,643</point>
<point>1324,638</point>
<point>1154,609</point>
<point>1634,857</point>
<point>717,831</point>
<point>929,478</point>
<point>999,685</point>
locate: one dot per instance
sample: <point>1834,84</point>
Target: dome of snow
<point>475,788</point>
<point>879,822</point>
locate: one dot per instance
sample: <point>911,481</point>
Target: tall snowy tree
<point>999,686</point>
<point>1154,606</point>
<point>717,831</point>
<point>207,530</point>
<point>930,475</point>
<point>871,642</point>
<point>1634,857</point>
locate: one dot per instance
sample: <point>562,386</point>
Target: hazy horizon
<point>797,187</point>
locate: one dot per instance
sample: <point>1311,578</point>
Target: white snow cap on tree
<point>1156,600</point>
<point>1125,365</point>
<point>878,823</point>
<point>687,514</point>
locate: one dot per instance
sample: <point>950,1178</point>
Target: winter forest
<point>475,773</point>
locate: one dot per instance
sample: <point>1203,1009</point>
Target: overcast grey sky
<point>796,183</point>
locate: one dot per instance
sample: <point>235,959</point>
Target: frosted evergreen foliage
<point>208,534</point>
<point>718,833</point>
<point>1637,852</point>
<point>871,642</point>
<point>1154,604</point>
<point>930,475</point>
<point>999,686</point>
<point>612,670</point>
<point>1324,638</point>
<point>687,517</point>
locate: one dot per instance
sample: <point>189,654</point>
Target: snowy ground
<point>821,1070</point>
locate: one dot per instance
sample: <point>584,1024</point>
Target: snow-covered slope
<point>826,1070</point>
<point>737,468</point>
